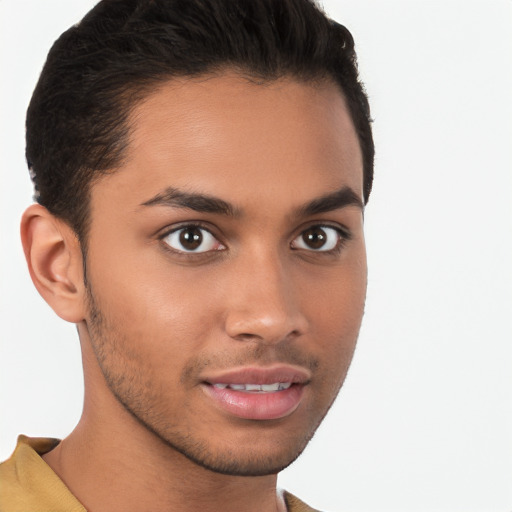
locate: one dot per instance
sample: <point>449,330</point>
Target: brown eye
<point>314,238</point>
<point>318,238</point>
<point>192,239</point>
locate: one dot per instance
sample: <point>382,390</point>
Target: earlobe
<point>54,259</point>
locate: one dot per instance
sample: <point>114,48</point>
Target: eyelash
<point>343,237</point>
<point>190,254</point>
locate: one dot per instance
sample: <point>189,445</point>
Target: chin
<point>252,462</point>
<point>251,452</point>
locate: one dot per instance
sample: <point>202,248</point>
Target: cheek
<point>159,315</point>
<point>335,300</point>
<point>335,308</point>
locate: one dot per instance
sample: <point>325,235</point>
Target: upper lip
<point>260,375</point>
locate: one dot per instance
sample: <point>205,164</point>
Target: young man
<point>201,169</point>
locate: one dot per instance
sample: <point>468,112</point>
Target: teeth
<point>270,387</point>
<point>256,388</point>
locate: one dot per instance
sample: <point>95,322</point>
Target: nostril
<point>247,336</point>
<point>268,337</point>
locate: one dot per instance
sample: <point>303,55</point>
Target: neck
<point>111,463</point>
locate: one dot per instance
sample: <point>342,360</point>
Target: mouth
<point>255,388</point>
<point>257,393</point>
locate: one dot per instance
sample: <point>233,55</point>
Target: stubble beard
<point>135,395</point>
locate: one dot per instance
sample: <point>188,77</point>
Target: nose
<point>264,305</point>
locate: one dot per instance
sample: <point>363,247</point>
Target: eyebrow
<point>204,203</point>
<point>336,200</point>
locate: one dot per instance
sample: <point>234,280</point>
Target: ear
<point>54,259</point>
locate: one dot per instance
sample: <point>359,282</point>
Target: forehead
<point>229,136</point>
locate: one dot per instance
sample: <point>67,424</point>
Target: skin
<point>154,320</point>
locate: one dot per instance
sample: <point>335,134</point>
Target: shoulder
<point>28,484</point>
<point>293,504</point>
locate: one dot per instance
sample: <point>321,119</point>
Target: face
<point>226,268</point>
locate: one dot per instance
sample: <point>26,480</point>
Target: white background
<point>424,422</point>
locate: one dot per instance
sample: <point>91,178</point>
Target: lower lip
<point>256,406</point>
